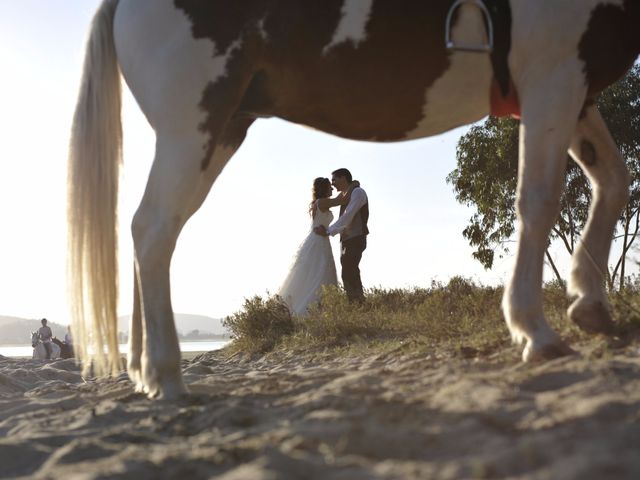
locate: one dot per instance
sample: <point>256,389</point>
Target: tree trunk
<point>624,253</point>
<point>628,239</point>
<point>625,241</point>
<point>553,267</point>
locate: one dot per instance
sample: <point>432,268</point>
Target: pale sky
<point>242,240</point>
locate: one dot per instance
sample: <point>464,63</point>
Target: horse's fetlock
<point>592,315</point>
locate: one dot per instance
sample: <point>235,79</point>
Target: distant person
<point>45,334</point>
<point>68,338</point>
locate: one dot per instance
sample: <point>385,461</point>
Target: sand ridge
<point>386,416</point>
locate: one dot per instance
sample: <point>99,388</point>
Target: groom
<point>352,227</point>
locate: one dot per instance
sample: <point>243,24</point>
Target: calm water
<point>27,351</point>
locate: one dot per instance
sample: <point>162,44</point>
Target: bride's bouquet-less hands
<point>321,230</point>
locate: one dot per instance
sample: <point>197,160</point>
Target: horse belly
<point>459,97</point>
<point>393,80</point>
<point>388,109</point>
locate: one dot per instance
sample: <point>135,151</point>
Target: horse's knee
<point>153,238</point>
<point>536,212</point>
<point>618,192</point>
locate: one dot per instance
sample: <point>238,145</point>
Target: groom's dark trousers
<point>351,253</point>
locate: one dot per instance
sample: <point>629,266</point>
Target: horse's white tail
<point>95,157</point>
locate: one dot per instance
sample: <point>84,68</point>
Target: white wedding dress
<point>312,267</point>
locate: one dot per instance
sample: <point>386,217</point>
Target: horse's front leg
<point>595,151</point>
<point>550,109</point>
<point>155,228</point>
<point>178,184</point>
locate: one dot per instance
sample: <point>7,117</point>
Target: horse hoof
<point>547,352</point>
<point>135,374</point>
<point>167,388</point>
<point>593,318</point>
<point>169,391</point>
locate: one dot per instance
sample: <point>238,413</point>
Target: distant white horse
<point>203,70</point>
<point>39,350</point>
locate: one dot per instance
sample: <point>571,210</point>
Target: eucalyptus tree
<point>487,168</point>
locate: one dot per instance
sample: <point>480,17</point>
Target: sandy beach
<point>393,415</point>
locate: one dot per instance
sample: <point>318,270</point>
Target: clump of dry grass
<point>626,307</point>
<point>457,313</point>
<point>460,314</point>
<point>261,324</point>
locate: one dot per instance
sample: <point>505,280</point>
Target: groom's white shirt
<point>358,200</point>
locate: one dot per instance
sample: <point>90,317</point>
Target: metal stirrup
<point>482,47</point>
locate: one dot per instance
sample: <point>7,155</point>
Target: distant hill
<point>17,331</point>
<point>186,323</point>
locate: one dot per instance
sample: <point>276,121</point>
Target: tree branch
<point>563,237</point>
<point>553,266</point>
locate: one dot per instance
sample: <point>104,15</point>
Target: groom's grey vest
<point>359,224</point>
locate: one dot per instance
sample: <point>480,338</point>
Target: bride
<point>313,264</point>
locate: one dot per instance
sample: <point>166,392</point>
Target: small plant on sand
<point>261,324</point>
<point>334,320</point>
<point>626,306</point>
<point>463,313</point>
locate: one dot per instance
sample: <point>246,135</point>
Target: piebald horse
<point>39,350</point>
<point>203,71</point>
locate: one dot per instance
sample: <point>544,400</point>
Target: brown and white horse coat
<point>377,70</point>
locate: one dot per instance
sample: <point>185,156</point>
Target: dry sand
<point>387,416</point>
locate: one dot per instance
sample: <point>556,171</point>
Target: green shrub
<point>261,324</point>
<point>462,312</point>
<point>334,320</point>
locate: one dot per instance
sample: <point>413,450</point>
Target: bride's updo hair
<point>321,189</point>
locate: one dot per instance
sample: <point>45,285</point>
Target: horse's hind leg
<point>595,151</point>
<point>548,122</point>
<point>134,356</point>
<point>178,184</point>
